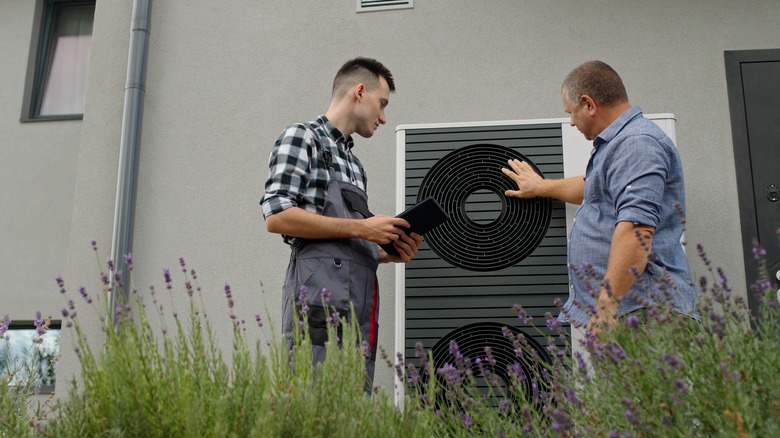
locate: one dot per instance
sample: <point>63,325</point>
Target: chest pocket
<point>354,202</point>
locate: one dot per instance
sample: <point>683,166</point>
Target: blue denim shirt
<point>634,174</point>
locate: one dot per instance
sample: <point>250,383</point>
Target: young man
<point>627,230</point>
<point>315,197</point>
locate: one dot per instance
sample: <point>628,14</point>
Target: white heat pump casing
<point>576,152</point>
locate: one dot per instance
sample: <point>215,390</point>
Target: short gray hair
<point>597,80</point>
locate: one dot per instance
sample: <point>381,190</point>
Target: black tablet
<point>422,217</point>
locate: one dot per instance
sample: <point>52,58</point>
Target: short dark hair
<point>597,80</point>
<point>361,70</point>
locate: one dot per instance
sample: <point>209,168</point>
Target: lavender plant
<point>144,379</point>
<point>21,380</point>
<point>657,373</point>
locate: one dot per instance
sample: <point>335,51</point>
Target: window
<point>59,60</point>
<point>25,354</point>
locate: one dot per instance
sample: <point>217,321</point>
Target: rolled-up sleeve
<point>288,177</point>
<point>637,179</point>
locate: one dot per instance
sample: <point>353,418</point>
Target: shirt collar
<point>615,127</point>
<point>335,134</point>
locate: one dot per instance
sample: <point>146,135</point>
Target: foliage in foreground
<point>659,375</point>
<point>161,383</point>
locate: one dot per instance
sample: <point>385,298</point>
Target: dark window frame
<point>39,59</point>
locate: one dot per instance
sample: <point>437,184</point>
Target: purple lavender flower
<point>325,296</point>
<point>615,352</point>
<point>467,420</point>
<point>581,365</point>
<point>504,404</point>
<point>632,321</point>
<point>129,261</point>
<point>118,278</point>
<point>167,276</point>
<point>94,246</point>
<point>334,319</point>
<point>682,388</point>
<point>419,351</point>
<point>516,371</point>
<point>490,358</point>
<point>302,300</point>
<point>183,265</point>
<point>60,283</point>
<point>630,417</point>
<point>451,375</point>
<point>759,253</point>
<point>39,322</point>
<point>561,420</point>
<point>85,295</point>
<point>40,327</point>
<point>703,255</point>
<point>399,366</point>
<point>552,322</point>
<point>414,375</point>
<point>719,324</point>
<point>673,361</point>
<point>229,295</point>
<point>4,324</point>
<point>522,314</point>
<point>259,320</point>
<point>572,396</point>
<point>455,351</point>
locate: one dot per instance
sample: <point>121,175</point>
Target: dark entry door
<point>753,78</point>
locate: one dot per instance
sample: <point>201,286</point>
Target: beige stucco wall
<point>37,182</point>
<point>224,80</point>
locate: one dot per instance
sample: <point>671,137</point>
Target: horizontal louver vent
<point>383,5</point>
<point>441,296</point>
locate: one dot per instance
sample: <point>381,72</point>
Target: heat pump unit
<point>494,251</point>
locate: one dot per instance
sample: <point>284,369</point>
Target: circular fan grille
<point>515,226</point>
<point>471,341</point>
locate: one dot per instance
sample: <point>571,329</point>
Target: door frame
<point>742,164</point>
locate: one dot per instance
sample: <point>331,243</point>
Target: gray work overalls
<point>344,267</point>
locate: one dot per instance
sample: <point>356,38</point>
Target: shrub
<point>664,376</point>
<point>655,374</point>
<point>152,382</point>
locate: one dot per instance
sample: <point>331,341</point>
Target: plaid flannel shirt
<point>298,172</point>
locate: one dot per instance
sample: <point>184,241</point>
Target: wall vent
<point>383,5</point>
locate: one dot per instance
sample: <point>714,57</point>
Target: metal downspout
<point>122,236</point>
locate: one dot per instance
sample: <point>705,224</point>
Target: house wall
<point>37,182</point>
<point>223,81</point>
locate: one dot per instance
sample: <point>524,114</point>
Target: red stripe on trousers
<point>373,327</point>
